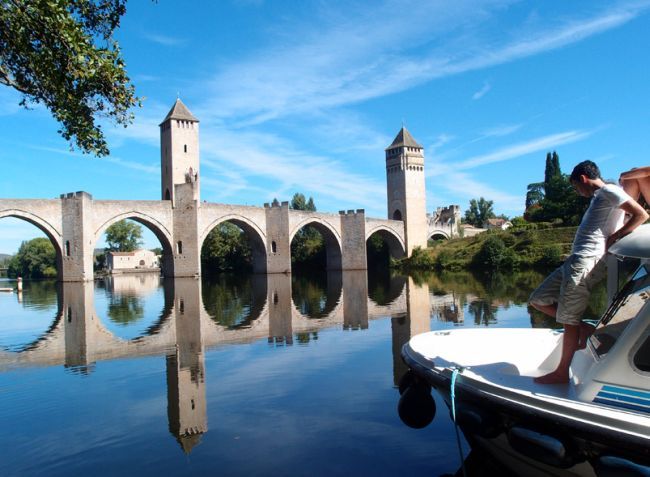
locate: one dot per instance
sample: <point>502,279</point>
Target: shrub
<point>494,254</point>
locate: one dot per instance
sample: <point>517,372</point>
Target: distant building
<point>470,230</point>
<point>138,260</point>
<point>501,224</point>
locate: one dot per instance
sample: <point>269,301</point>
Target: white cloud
<point>482,92</point>
<point>164,40</point>
<point>371,54</point>
<point>522,149</point>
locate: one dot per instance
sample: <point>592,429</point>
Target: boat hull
<point>541,434</point>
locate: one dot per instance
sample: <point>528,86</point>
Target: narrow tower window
<point>274,247</point>
<point>179,247</point>
<point>67,248</point>
<point>185,148</point>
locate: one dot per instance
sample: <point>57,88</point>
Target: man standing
<point>565,292</point>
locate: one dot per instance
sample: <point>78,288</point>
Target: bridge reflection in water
<point>196,316</point>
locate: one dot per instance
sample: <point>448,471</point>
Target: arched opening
<point>131,244</point>
<point>381,246</point>
<point>231,246</point>
<point>435,238</point>
<point>168,196</point>
<point>397,215</point>
<point>315,247</point>
<point>28,250</point>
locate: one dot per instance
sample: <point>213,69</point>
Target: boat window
<point>623,309</point>
<point>642,356</point>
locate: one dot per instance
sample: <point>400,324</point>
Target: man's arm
<point>636,173</point>
<point>637,216</point>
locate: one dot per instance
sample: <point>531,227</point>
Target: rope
<point>452,394</point>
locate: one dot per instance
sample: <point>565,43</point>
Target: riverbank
<point>495,249</point>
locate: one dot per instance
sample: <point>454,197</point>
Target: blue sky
<point>303,96</point>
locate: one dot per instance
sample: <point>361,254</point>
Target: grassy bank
<point>495,249</point>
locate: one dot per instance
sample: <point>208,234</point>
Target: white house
<point>501,224</point>
<point>140,260</point>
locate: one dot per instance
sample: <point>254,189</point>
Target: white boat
<point>597,424</point>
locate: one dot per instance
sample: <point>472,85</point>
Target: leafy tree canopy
<point>479,211</point>
<point>298,202</point>
<point>35,258</point>
<point>226,248</point>
<point>61,53</point>
<point>123,236</point>
<point>554,200</point>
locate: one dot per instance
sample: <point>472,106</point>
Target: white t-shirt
<point>602,218</point>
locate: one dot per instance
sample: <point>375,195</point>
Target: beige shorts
<point>570,286</point>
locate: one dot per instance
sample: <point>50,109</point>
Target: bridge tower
<point>406,192</point>
<point>179,160</point>
<point>179,150</point>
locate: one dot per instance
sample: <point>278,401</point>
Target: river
<point>256,375</point>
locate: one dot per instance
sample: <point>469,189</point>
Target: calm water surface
<point>258,375</point>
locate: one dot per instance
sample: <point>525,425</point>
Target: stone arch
<point>438,234</point>
<point>256,237</point>
<point>330,235</point>
<point>159,230</point>
<point>396,245</point>
<point>44,226</point>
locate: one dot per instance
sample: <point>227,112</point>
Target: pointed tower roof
<point>403,139</point>
<point>180,111</point>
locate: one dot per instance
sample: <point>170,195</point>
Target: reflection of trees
<point>233,301</point>
<point>315,294</point>
<point>125,309</point>
<point>41,295</point>
<point>483,312</point>
<point>383,286</point>
<point>486,292</point>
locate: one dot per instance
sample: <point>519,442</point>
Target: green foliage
<point>123,236</point>
<point>35,258</point>
<point>298,202</point>
<point>527,247</point>
<point>307,246</point>
<point>554,200</point>
<point>125,309</point>
<point>226,248</point>
<point>479,211</point>
<point>551,256</point>
<point>62,54</point>
<point>494,255</point>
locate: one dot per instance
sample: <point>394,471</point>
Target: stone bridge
<point>75,224</point>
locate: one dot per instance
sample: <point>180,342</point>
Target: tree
<point>535,194</point>
<point>123,236</point>
<point>298,202</point>
<point>307,246</point>
<point>62,54</point>
<point>479,211</point>
<point>554,200</point>
<point>226,248</point>
<point>35,258</point>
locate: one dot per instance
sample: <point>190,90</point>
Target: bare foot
<point>586,330</point>
<point>553,378</point>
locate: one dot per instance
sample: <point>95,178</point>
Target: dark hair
<point>586,168</point>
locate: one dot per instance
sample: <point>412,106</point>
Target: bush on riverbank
<point>495,250</point>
